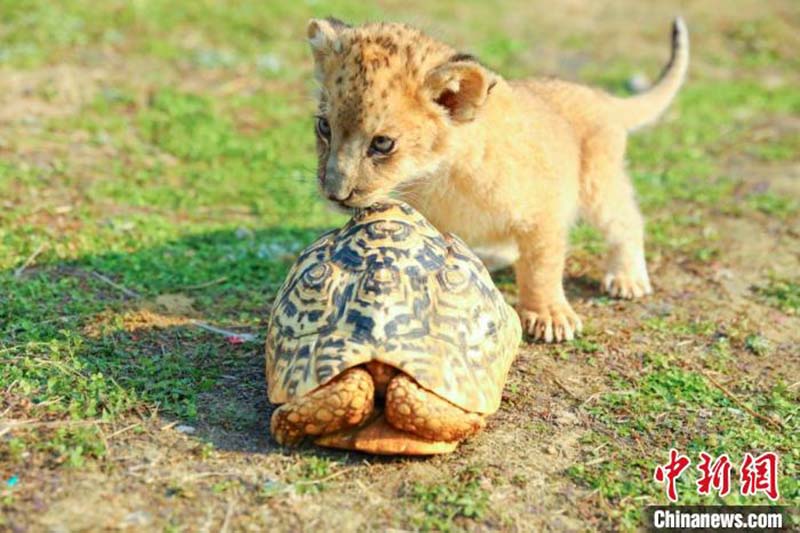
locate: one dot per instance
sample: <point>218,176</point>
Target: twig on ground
<point>244,337</point>
<point>30,344</point>
<point>123,430</point>
<point>247,337</point>
<point>188,477</point>
<point>31,258</point>
<point>126,291</point>
<point>201,475</point>
<point>596,461</point>
<point>206,284</point>
<point>228,515</point>
<point>589,494</point>
<point>731,396</point>
<point>589,399</point>
<point>563,387</point>
<point>104,438</point>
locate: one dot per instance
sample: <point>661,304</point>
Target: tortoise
<point>387,337</point>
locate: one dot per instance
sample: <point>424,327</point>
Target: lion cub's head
<point>389,96</point>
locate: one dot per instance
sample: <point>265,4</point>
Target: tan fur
<point>504,164</point>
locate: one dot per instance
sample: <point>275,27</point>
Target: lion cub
<point>506,165</point>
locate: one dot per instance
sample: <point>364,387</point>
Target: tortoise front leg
<point>411,408</point>
<point>344,402</point>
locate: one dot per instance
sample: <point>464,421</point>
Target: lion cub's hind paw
<point>627,286</point>
<point>552,323</point>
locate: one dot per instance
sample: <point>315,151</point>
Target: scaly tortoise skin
<point>389,308</point>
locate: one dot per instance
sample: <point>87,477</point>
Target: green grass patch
<point>757,344</point>
<point>672,407</point>
<point>774,205</point>
<point>209,33</point>
<point>783,294</point>
<point>784,148</point>
<point>679,160</point>
<point>444,504</point>
<point>310,475</point>
<point>762,42</point>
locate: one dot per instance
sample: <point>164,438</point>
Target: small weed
<point>224,486</point>
<point>585,345</point>
<point>206,451</point>
<point>782,294</point>
<point>774,205</point>
<point>757,344</point>
<point>784,148</point>
<point>308,476</point>
<point>13,449</point>
<point>443,503</point>
<point>706,254</point>
<point>316,468</point>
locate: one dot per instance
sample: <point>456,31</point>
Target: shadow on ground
<point>133,319</point>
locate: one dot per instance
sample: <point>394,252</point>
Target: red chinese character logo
<point>760,475</point>
<point>716,475</point>
<point>671,471</point>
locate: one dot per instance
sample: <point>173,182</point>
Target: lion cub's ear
<point>323,35</point>
<point>461,86</point>
<point>324,38</point>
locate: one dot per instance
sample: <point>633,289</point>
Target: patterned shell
<point>389,287</point>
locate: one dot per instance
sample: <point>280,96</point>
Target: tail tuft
<point>645,108</point>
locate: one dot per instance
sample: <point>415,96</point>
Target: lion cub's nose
<point>341,196</point>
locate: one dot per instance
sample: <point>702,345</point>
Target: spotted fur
<point>389,287</point>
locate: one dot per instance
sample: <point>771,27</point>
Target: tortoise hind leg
<point>411,408</point>
<point>344,402</point>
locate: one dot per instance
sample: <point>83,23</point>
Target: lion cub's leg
<point>608,203</point>
<point>619,219</point>
<point>543,308</point>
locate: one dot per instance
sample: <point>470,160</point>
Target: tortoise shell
<point>389,287</point>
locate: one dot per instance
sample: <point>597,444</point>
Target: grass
<point>442,504</point>
<point>167,148</point>
<point>782,148</point>
<point>783,294</point>
<point>680,161</point>
<point>673,407</point>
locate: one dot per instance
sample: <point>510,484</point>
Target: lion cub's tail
<point>640,110</point>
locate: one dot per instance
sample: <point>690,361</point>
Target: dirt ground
<point>710,361</point>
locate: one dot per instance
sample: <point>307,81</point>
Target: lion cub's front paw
<point>621,285</point>
<point>550,323</point>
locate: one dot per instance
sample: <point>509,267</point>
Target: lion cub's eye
<point>381,145</point>
<point>323,128</point>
